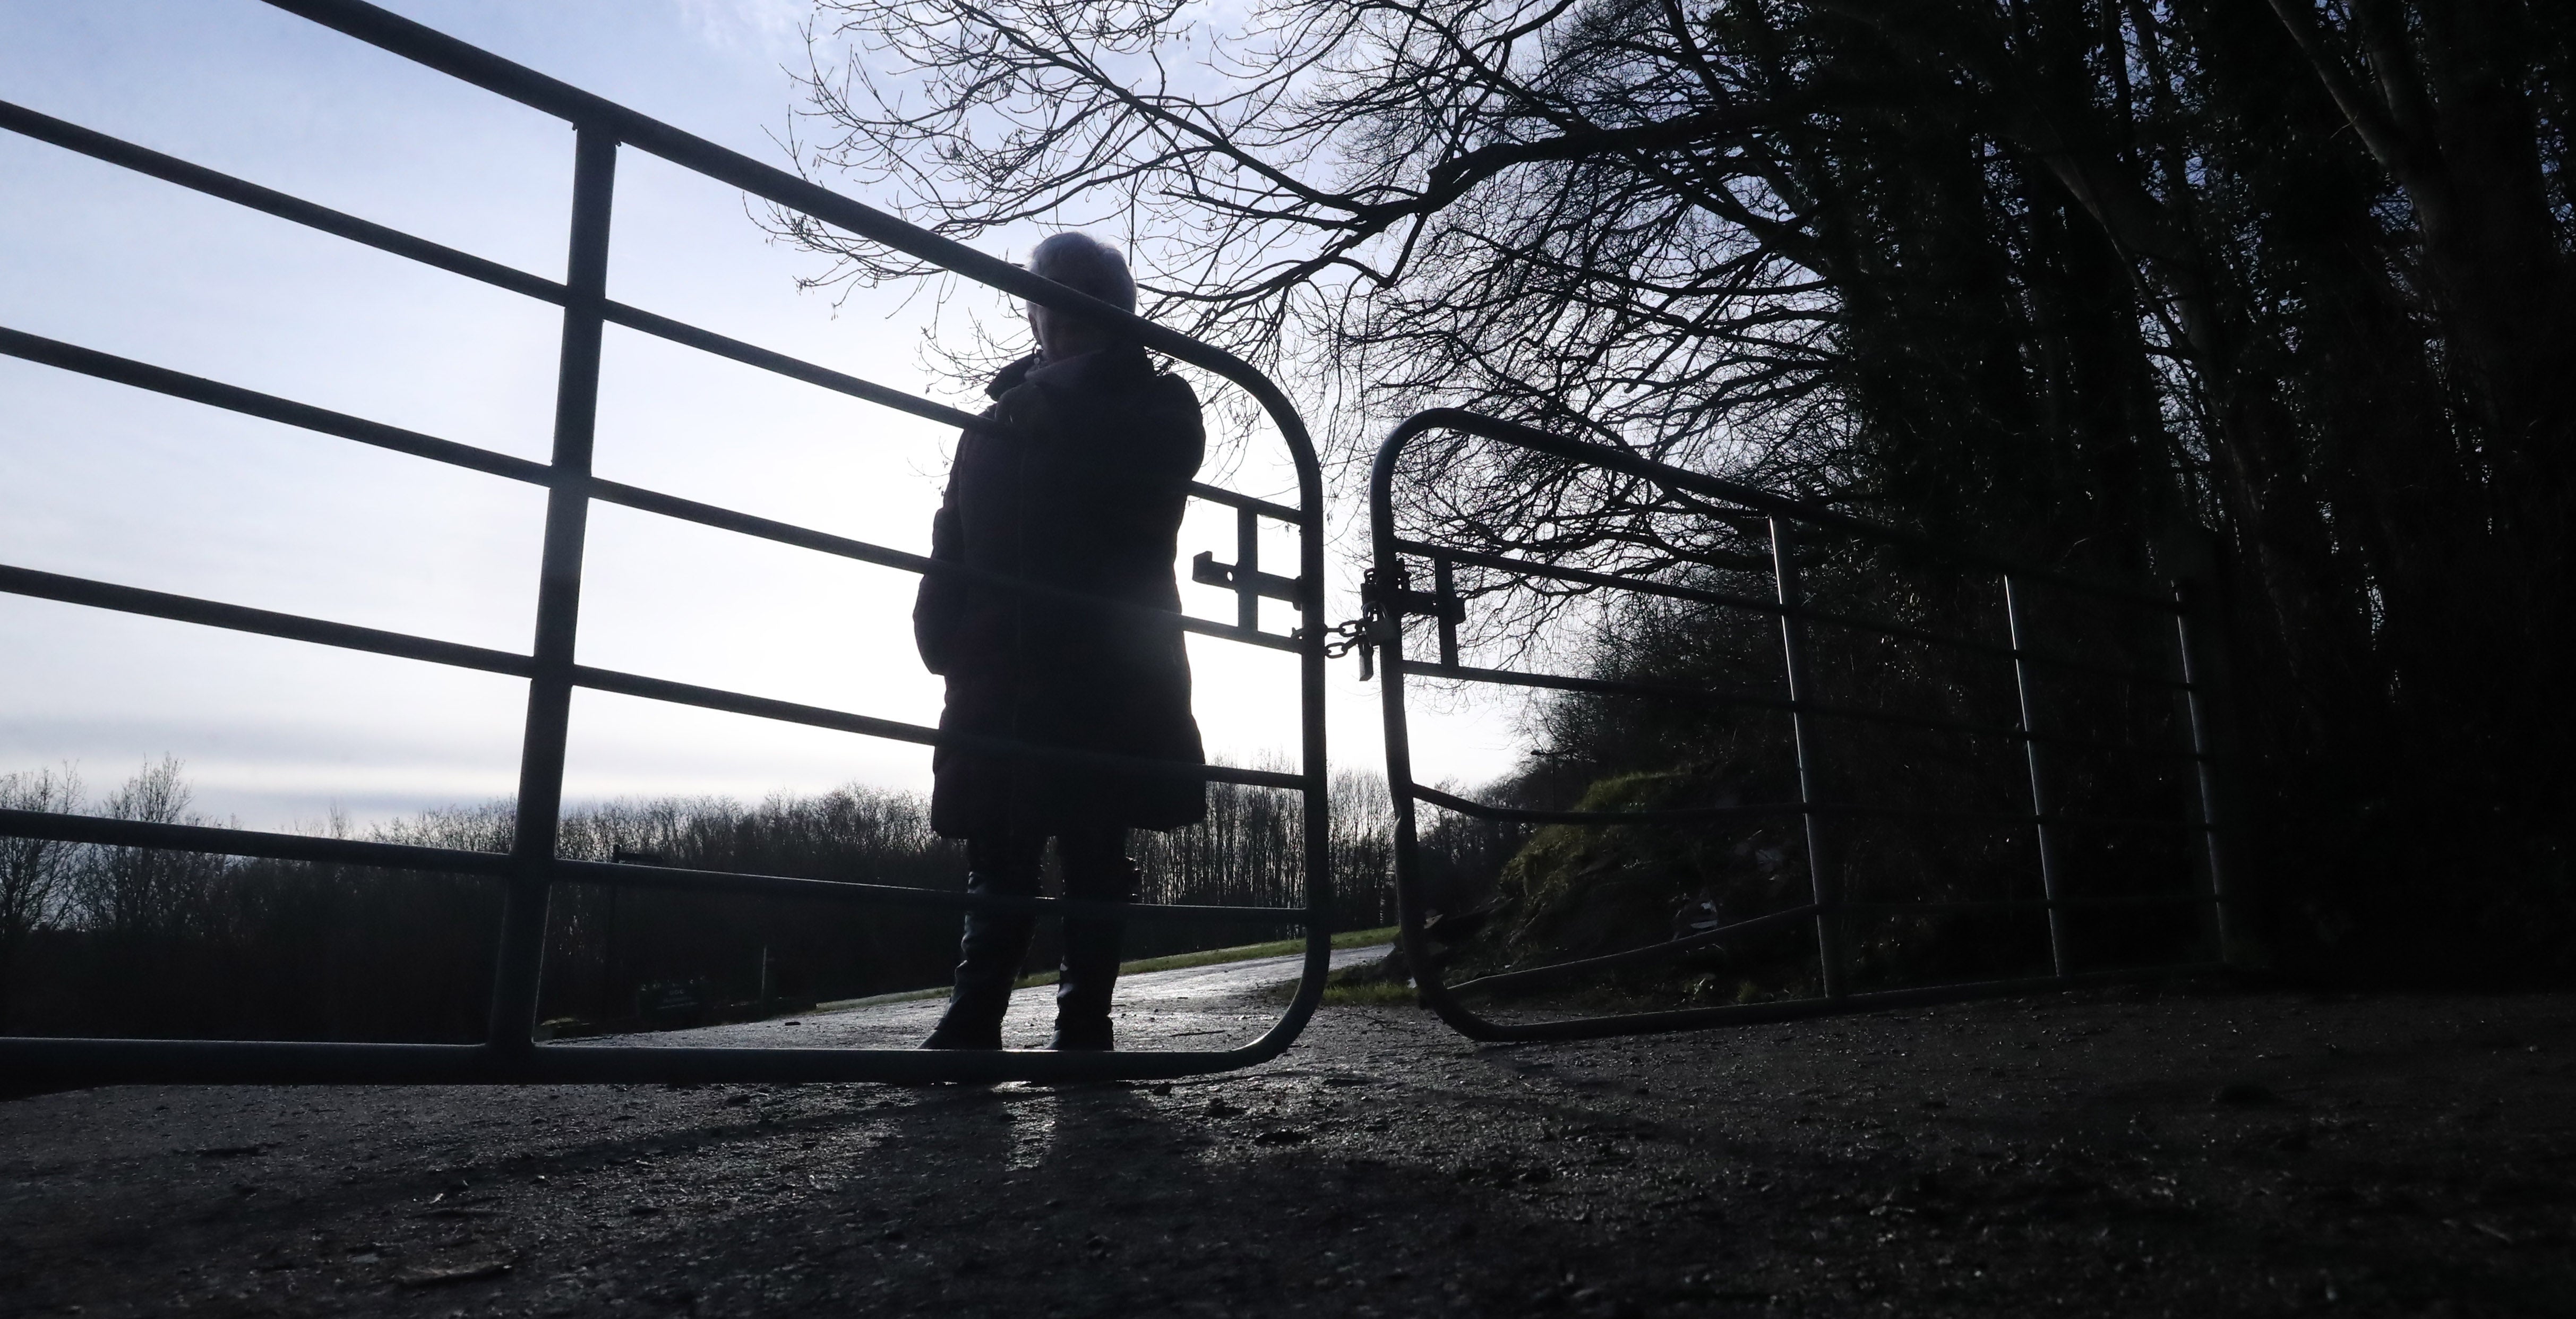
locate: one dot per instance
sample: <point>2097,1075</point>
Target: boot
<point>988,962</point>
<point>1083,985</point>
<point>1090,968</point>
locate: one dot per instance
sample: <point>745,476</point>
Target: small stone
<point>2243,1094</point>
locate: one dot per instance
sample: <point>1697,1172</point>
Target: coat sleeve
<point>941,600</point>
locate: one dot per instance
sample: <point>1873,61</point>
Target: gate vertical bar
<point>2043,801</point>
<point>1247,569</point>
<point>2235,946</point>
<point>1832,949</point>
<point>1444,592</point>
<point>521,965</point>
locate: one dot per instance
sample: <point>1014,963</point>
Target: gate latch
<point>1250,585</point>
<point>1206,571</point>
<point>1382,608</point>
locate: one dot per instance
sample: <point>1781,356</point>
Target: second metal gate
<point>2202,881</point>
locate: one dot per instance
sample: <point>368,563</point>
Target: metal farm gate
<point>510,1052</point>
<point>2040,919</point>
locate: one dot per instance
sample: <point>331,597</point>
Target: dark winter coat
<point>1080,486</point>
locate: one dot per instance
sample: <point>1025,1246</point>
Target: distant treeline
<point>132,941</point>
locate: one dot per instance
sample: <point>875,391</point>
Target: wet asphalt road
<point>1200,1007</point>
<point>2190,1153</point>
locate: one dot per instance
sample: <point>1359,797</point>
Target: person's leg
<point>1096,868</point>
<point>994,945</point>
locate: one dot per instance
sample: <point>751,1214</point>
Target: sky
<point>103,481</point>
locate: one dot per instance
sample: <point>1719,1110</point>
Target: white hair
<point>1082,262</point>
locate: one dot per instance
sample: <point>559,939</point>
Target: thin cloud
<point>766,25</point>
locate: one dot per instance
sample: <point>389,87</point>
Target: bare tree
<point>34,872</point>
<point>1503,206</point>
<point>142,890</point>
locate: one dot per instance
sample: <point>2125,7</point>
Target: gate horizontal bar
<point>1753,1014</point>
<point>1760,605</point>
<point>1760,701</point>
<point>678,879</point>
<point>787,533</point>
<point>1654,952</point>
<point>1705,814</point>
<point>171,169</point>
<point>215,841</point>
<point>2031,904</point>
<point>265,622</point>
<point>38,1060</point>
<point>633,318</point>
<point>1248,503</point>
<point>1524,815</point>
<point>762,707</point>
<point>778,363</point>
<point>347,636</point>
<point>1620,460</point>
<point>1612,581</point>
<point>212,840</point>
<point>2015,819</point>
<point>250,402</point>
<point>1596,686</point>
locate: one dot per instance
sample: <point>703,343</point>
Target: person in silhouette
<point>1078,484</point>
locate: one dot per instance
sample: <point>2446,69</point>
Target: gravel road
<point>2196,1152</point>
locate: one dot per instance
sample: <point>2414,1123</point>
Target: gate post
<point>1833,953</point>
<point>520,968</point>
<point>2043,802</point>
<point>2204,705</point>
